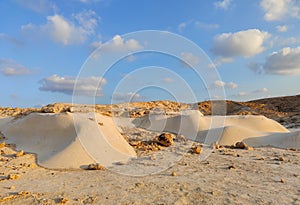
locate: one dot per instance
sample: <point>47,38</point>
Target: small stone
<point>2,144</point>
<point>139,184</point>
<point>213,193</point>
<point>216,145</point>
<point>20,153</point>
<point>282,180</point>
<point>241,145</point>
<point>12,187</point>
<point>174,174</point>
<point>95,166</point>
<point>165,139</point>
<point>135,143</point>
<point>249,148</point>
<point>196,150</point>
<point>24,193</point>
<point>231,167</point>
<point>13,176</point>
<point>100,123</point>
<point>281,159</point>
<point>232,147</point>
<point>181,138</point>
<point>32,165</point>
<point>63,200</point>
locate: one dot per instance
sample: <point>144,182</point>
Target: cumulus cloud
<point>88,86</point>
<point>10,67</point>
<point>282,28</point>
<point>223,4</point>
<point>283,62</point>
<point>189,59</point>
<point>66,31</point>
<point>276,10</point>
<point>222,84</point>
<point>118,44</point>
<point>245,43</point>
<point>127,97</point>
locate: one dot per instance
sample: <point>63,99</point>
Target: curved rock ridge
<point>63,140</point>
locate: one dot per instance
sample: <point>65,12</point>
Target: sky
<point>49,47</point>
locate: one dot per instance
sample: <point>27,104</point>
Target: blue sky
<point>254,45</point>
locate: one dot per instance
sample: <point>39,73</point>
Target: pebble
<point>12,187</point>
<point>13,176</point>
<point>174,174</point>
<point>95,166</point>
<point>196,150</point>
<point>216,145</point>
<point>165,139</point>
<point>231,167</point>
<point>2,144</point>
<point>241,145</point>
<point>20,153</point>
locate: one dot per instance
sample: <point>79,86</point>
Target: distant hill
<point>285,110</point>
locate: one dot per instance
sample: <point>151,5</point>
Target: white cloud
<point>182,26</point>
<point>168,80</point>
<point>221,60</point>
<point>39,6</point>
<point>9,67</point>
<point>276,10</point>
<point>262,90</point>
<point>206,26</point>
<point>242,94</point>
<point>220,84</point>
<point>224,4</point>
<point>189,59</point>
<point>88,86</point>
<point>231,85</point>
<point>283,41</point>
<point>66,31</point>
<point>253,92</point>
<point>245,43</point>
<point>283,62</point>
<point>118,44</point>
<point>127,97</point>
<point>282,28</point>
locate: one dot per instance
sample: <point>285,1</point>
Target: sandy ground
<point>228,175</point>
<point>259,176</point>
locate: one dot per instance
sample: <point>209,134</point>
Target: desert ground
<point>46,160</point>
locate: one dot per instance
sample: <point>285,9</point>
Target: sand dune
<point>72,140</point>
<point>63,142</point>
<point>255,130</point>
